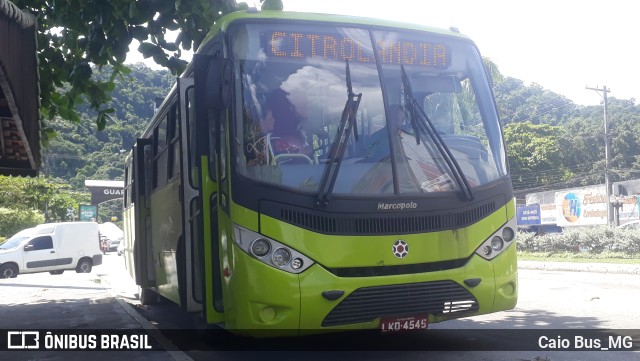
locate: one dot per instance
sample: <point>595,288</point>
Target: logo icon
<point>571,207</point>
<point>400,249</point>
<point>20,340</point>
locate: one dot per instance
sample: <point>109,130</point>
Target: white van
<point>53,248</point>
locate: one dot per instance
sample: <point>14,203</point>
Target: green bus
<point>311,173</point>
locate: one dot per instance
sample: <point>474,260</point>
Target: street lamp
<point>616,202</point>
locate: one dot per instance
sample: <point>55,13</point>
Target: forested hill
<point>82,152</point>
<point>552,143</point>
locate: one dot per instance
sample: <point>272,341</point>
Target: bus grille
<point>377,224</point>
<point>367,304</point>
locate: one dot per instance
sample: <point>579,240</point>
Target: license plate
<point>398,324</point>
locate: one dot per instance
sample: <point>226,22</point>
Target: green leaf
<point>139,32</point>
<point>133,10</point>
<point>170,46</point>
<point>101,120</point>
<point>148,50</point>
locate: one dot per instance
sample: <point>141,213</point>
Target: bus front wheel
<point>148,296</point>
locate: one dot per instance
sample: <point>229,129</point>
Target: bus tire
<point>148,296</point>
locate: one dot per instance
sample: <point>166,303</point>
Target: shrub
<point>601,240</point>
<point>12,221</point>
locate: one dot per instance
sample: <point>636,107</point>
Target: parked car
<point>53,248</point>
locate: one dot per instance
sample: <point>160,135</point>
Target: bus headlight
<point>297,263</point>
<point>498,241</point>
<point>260,247</point>
<point>270,251</point>
<point>508,234</point>
<point>281,257</point>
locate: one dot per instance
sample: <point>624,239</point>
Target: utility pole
<point>607,152</point>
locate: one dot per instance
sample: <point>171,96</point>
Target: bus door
<point>209,135</point>
<point>191,201</point>
<point>199,203</point>
<point>139,239</point>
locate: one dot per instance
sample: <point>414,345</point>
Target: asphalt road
<point>553,303</point>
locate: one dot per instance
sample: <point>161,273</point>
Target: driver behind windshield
<point>280,131</point>
<point>287,135</point>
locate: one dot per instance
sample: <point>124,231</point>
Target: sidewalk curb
<point>152,330</point>
<point>631,269</point>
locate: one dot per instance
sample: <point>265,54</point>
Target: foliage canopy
<point>551,141</point>
<point>74,36</point>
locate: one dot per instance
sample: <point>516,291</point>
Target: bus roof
<point>225,21</point>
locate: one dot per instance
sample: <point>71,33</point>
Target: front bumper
<point>270,299</point>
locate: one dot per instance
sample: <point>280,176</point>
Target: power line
<point>551,108</point>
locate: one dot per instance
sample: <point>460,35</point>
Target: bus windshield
<point>293,87</point>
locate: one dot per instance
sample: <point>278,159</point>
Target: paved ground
<point>77,302</point>
<point>581,267</point>
<point>103,299</point>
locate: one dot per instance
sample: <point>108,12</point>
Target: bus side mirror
<point>212,79</point>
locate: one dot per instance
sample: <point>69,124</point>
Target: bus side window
<point>173,133</point>
<point>192,139</point>
<point>160,156</point>
<point>217,143</point>
<point>127,186</point>
<point>223,146</point>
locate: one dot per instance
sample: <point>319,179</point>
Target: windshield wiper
<point>421,123</point>
<point>347,122</point>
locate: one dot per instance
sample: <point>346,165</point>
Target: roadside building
<point>19,93</point>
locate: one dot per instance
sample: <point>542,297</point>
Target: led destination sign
<point>297,45</point>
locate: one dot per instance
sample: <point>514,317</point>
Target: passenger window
<point>174,144</point>
<point>162,134</point>
<point>44,242</point>
<point>194,162</point>
<point>161,156</point>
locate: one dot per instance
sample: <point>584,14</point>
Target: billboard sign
<point>582,207</point>
<point>528,215</point>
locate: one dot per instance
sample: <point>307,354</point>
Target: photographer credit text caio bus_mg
<point>311,173</point>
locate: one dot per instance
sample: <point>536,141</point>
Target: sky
<point>562,45</point>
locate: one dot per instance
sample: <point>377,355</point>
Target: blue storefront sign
<point>528,215</point>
